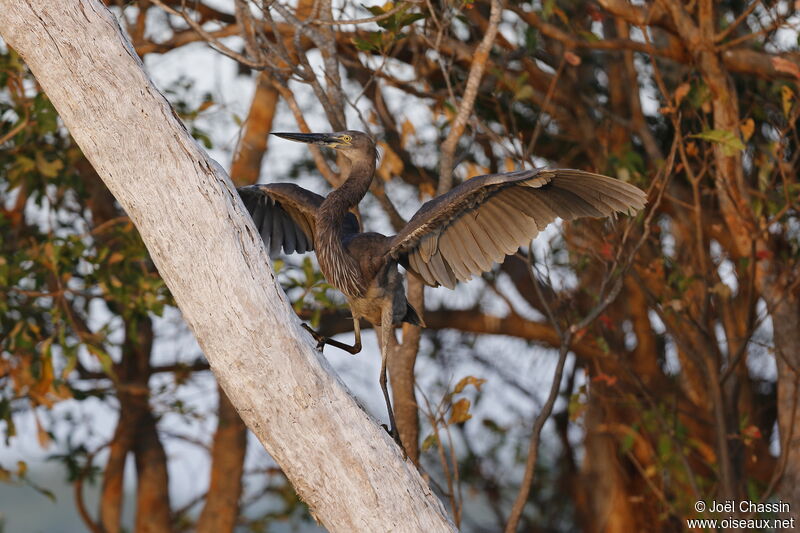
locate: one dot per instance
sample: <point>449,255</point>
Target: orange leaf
<point>607,251</point>
<point>606,321</point>
<point>605,378</point>
<point>460,412</point>
<point>681,92</point>
<point>469,380</point>
<point>747,128</point>
<point>572,59</point>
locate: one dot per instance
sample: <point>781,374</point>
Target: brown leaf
<point>691,149</point>
<point>116,257</point>
<point>681,92</point>
<point>408,130</point>
<point>42,435</point>
<point>572,58</point>
<point>469,380</point>
<point>460,412</point>
<point>391,164</point>
<point>747,128</point>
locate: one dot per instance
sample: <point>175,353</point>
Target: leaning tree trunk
<point>340,462</point>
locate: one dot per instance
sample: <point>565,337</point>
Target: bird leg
<point>323,340</point>
<point>386,330</point>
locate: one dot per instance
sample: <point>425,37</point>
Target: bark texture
<point>340,462</point>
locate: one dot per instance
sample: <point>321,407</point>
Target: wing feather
<point>285,216</point>
<point>463,232</point>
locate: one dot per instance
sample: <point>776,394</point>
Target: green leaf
<point>430,441</point>
<point>105,360</point>
<point>372,43</point>
<point>730,141</point>
<point>409,18</point>
<point>627,442</point>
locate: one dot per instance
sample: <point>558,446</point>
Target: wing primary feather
<point>460,241</point>
<point>453,255</point>
<point>428,245</point>
<point>490,249</point>
<point>276,235</point>
<point>620,195</point>
<point>289,233</point>
<point>505,230</point>
<point>481,262</point>
<point>266,225</point>
<point>421,268</point>
<point>442,272</point>
<point>517,228</point>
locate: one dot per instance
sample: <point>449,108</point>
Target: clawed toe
<point>317,337</point>
<point>395,436</point>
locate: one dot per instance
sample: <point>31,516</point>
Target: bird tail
<point>412,317</point>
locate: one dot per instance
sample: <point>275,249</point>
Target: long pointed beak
<point>310,138</point>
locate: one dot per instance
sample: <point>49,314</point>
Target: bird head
<point>353,144</point>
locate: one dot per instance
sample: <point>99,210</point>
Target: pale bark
<point>340,462</point>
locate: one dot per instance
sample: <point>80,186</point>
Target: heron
<point>451,238</point>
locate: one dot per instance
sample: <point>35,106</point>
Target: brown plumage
<point>451,238</point>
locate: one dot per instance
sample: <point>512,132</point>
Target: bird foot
<point>317,337</point>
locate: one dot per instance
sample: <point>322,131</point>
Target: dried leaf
<point>406,131</point>
<point>41,435</point>
<point>460,412</point>
<point>572,58</point>
<point>49,169</point>
<point>469,380</point>
<point>116,257</point>
<point>681,92</point>
<point>747,128</point>
<point>787,97</point>
<point>391,164</point>
<point>602,377</point>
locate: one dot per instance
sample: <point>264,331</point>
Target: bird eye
<point>346,138</point>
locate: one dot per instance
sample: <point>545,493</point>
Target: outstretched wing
<point>285,215</point>
<point>463,232</point>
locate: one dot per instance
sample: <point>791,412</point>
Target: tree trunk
<point>340,462</point>
<point>221,510</point>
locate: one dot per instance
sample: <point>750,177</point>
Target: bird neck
<point>339,267</point>
<point>358,177</point>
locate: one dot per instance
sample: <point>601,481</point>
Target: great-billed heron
<point>451,238</point>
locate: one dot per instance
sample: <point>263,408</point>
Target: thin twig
<point>468,101</point>
<point>397,9</point>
